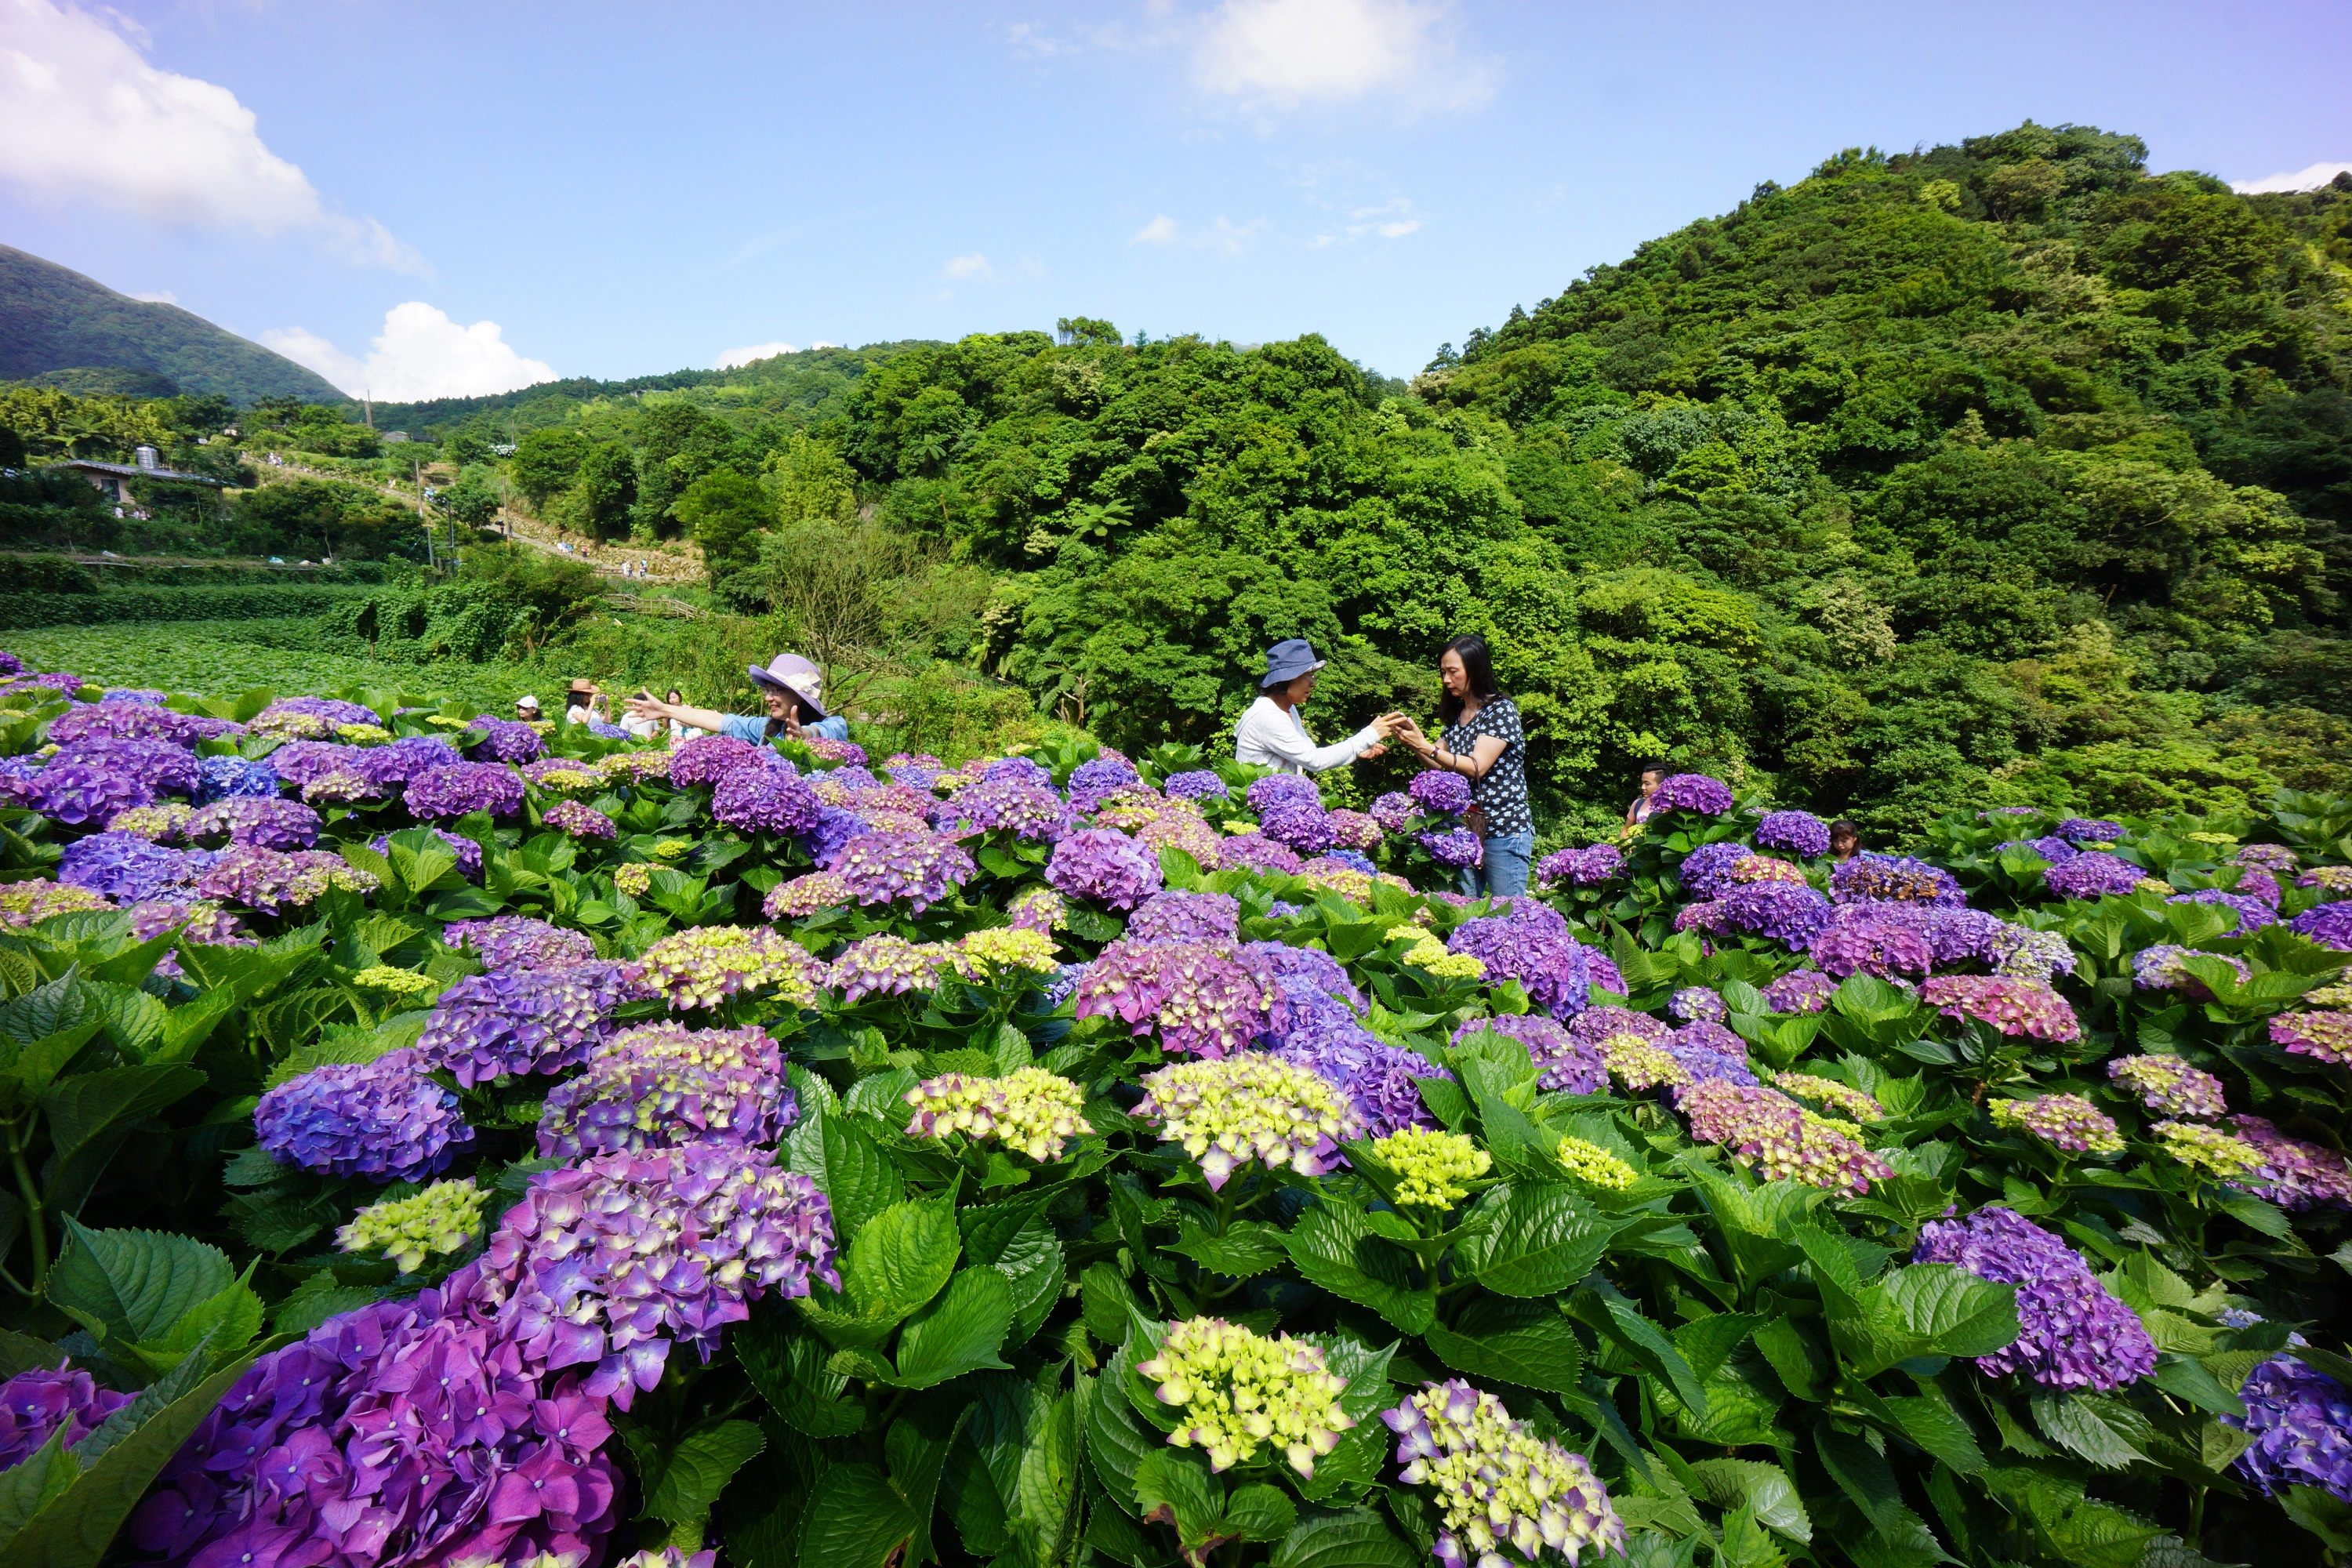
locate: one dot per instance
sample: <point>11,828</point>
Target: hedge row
<point>225,603</point>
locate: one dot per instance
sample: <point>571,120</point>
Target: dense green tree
<point>545,463</point>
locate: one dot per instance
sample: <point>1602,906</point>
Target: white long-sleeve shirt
<point>1272,736</point>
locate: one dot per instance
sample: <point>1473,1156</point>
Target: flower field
<point>434,1138</point>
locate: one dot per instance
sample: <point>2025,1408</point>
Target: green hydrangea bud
<point>442,1219</point>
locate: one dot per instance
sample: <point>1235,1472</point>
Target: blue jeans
<point>1502,871</point>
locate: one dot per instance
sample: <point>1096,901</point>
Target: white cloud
<point>1221,234</point>
<point>83,116</point>
<point>420,354</point>
<point>1287,53</point>
<point>750,352</point>
<point>2309,179</point>
<point>160,297</point>
<point>974,265</point>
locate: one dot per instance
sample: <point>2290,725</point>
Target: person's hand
<point>1409,733</point>
<point>642,707</point>
<point>1373,752</point>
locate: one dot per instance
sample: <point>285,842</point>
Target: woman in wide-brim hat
<point>794,690</point>
<point>1272,735</point>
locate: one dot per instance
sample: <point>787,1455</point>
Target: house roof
<point>133,471</point>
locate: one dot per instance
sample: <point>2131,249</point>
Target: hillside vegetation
<point>79,335</point>
<point>2004,471</point>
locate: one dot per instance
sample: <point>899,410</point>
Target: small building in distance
<point>392,437</point>
<point>117,479</point>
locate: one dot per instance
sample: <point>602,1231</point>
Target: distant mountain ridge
<point>64,328</point>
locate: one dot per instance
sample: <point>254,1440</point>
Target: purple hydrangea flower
<point>2094,874</point>
<point>1257,852</point>
<point>1706,872</point>
<point>1701,793</point>
<point>917,869</point>
<point>1198,784</point>
<point>303,763</point>
<point>1280,789</point>
<point>1202,997</point>
<point>1304,826</point>
<point>90,780</point>
<point>1457,849</point>
<point>2159,968</point>
<point>1097,781</point>
<point>707,759</point>
<point>35,1405</point>
<point>519,942</point>
<point>2276,858</point>
<point>2072,1333</point>
<point>125,866</point>
<point>2301,1421</point>
<point>1440,793</point>
<point>460,789</point>
<point>1590,867</point>
<point>663,1084</point>
<point>1801,991</point>
<point>2257,883</point>
<point>2295,1175</point>
<point>2329,925</point>
<point>578,819</point>
<point>1695,1002</point>
<point>391,766</point>
<point>1800,833</point>
<point>1863,939</point>
<point>328,710</point>
<point>1894,878</point>
<point>767,798</point>
<point>382,1119</point>
<point>1531,943</point>
<point>111,718</point>
<point>1186,917</point>
<point>1018,770</point>
<point>1025,810</point>
<point>2013,1007</point>
<point>611,1262</point>
<point>256,819</point>
<point>217,778</point>
<point>1394,811</point>
<point>522,1020</point>
<point>274,879</point>
<point>1105,866</point>
<point>1787,912</point>
<point>2090,831</point>
<point>1375,1076</point>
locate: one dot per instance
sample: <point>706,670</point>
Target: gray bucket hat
<point>1287,661</point>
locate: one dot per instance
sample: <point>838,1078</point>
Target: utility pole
<point>423,513</point>
<point>367,408</point>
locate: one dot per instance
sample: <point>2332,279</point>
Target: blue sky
<point>430,197</point>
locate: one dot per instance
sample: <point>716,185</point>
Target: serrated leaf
<point>1116,1440</point>
<point>853,1520</point>
<point>1260,1513</point>
<point>1765,1490</point>
<point>134,1283</point>
<point>694,1472</point>
<point>1360,1538</point>
<point>1335,1249</point>
<point>1523,1342</point>
<point>2107,1431</point>
<point>1248,1247</point>
<point>958,1332</point>
<point>852,1174</point>
<point>1539,1239</point>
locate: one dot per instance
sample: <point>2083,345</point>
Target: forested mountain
<point>2000,472</point>
<point>76,334</point>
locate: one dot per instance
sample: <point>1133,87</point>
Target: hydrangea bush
<point>745,1153</point>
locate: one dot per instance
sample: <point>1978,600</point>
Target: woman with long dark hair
<point>1483,741</point>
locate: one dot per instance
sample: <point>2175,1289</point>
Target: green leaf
<point>1621,1320</point>
<point>852,1173</point>
<point>1336,1249</point>
<point>1030,1258</point>
<point>1360,1538</point>
<point>1523,1342</point>
<point>1248,1247</point>
<point>1173,1486</point>
<point>853,1520</point>
<point>34,1482</point>
<point>2107,1431</point>
<point>1923,1310</point>
<point>693,1474</point>
<point>1764,1490</point>
<point>1930,1421</point>
<point>2187,1378</point>
<point>89,1113</point>
<point>1542,1239</point>
<point>1260,1513</point>
<point>900,1261</point>
<point>958,1332</point>
<point>134,1283</point>
<point>1116,1440</point>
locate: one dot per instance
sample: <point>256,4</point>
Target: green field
<point>222,658</point>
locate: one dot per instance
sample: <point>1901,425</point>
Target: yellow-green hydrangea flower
<point>1240,1391</point>
<point>635,877</point>
<point>442,1219</point>
<point>672,849</point>
<point>2224,1156</point>
<point>1637,1063</point>
<point>399,982</point>
<point>1002,952</point>
<point>1431,955</point>
<point>1590,1164</point>
<point>1856,1105</point>
<point>362,734</point>
<point>1432,1168</point>
<point>1034,1110</point>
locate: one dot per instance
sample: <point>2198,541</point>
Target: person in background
<point>1653,775</point>
<point>586,702</point>
<point>679,733</point>
<point>795,690</point>
<point>1846,840</point>
<point>1483,741</point>
<point>1272,735</point>
<point>527,708</point>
